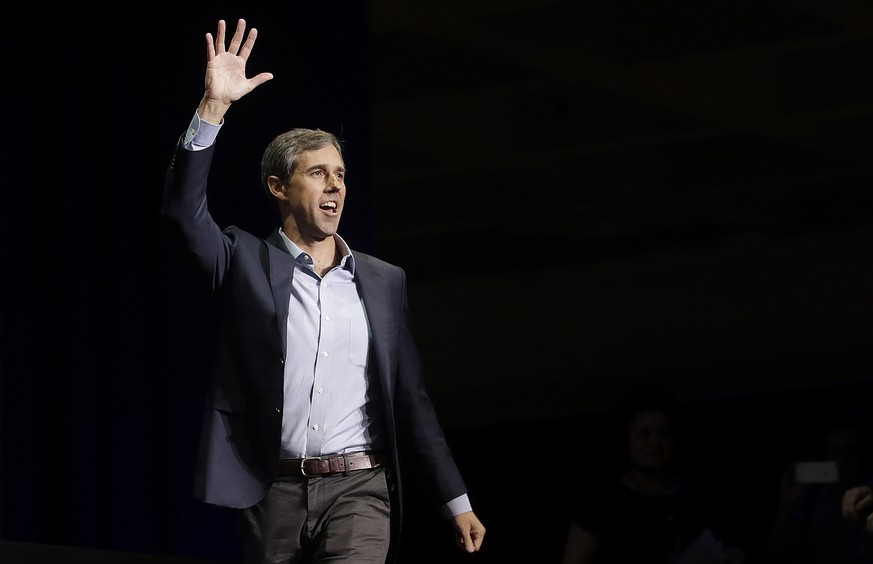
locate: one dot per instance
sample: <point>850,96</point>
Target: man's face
<point>315,194</point>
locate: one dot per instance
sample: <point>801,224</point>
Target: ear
<point>278,188</point>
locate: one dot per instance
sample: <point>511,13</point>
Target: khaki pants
<point>332,518</point>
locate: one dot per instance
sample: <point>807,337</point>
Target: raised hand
<point>226,80</point>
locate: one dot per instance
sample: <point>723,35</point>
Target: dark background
<point>585,195</point>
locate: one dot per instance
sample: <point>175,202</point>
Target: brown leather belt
<point>326,465</point>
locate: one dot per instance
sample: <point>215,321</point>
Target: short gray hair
<point>281,155</point>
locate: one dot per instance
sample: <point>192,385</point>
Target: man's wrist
<point>212,110</point>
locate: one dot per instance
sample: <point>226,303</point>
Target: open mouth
<point>329,207</point>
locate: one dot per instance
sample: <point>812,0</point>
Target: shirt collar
<point>347,262</point>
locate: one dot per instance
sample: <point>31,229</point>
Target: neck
<point>325,252</point>
<point>323,261</point>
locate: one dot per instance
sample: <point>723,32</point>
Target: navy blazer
<point>250,278</point>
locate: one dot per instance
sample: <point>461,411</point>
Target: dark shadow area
<point>523,476</point>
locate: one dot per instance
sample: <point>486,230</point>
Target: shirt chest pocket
<point>359,341</point>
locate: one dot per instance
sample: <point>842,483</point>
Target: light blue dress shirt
<point>326,383</point>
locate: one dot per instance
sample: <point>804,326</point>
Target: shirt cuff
<point>460,504</point>
<point>200,134</point>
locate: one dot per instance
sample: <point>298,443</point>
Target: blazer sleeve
<point>186,214</point>
<point>418,419</point>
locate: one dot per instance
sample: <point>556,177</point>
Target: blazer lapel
<point>372,288</point>
<point>278,264</point>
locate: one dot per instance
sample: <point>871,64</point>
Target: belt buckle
<point>303,463</point>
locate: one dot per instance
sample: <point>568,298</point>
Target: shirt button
<point>320,390</point>
<point>315,427</point>
<point>324,353</point>
<point>327,318</point>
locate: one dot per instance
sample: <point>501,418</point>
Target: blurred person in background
<point>645,510</point>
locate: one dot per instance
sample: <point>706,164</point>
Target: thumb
<point>259,79</point>
<point>467,542</point>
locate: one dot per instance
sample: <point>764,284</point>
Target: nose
<point>335,181</point>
